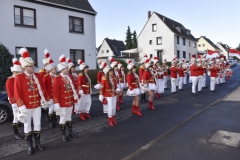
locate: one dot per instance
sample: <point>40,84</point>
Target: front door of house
<point>159,55</point>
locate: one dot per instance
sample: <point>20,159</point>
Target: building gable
<point>104,50</point>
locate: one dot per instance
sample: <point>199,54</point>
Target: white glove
<point>49,103</point>
<point>125,85</point>
<point>57,107</point>
<point>97,86</point>
<point>44,104</point>
<point>15,107</point>
<point>145,85</point>
<point>21,117</point>
<point>80,92</point>
<point>131,92</point>
<point>119,86</point>
<point>118,90</point>
<point>23,109</point>
<point>75,97</point>
<point>101,98</point>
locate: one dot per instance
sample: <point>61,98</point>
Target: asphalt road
<point>175,117</point>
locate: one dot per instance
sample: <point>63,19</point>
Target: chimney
<point>149,14</point>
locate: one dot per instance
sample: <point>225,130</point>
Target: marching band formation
<point>62,95</point>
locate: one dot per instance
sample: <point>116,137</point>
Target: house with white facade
<point>166,38</point>
<point>62,26</point>
<point>204,44</point>
<point>224,50</point>
<point>113,48</point>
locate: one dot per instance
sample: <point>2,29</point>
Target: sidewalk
<point>191,141</point>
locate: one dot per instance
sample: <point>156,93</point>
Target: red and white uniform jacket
<point>26,91</point>
<point>84,83</point>
<point>99,76</point>
<point>141,71</point>
<point>121,77</point>
<point>157,73</point>
<point>148,77</point>
<point>48,82</point>
<point>108,86</point>
<point>10,90</point>
<point>214,71</point>
<point>200,71</point>
<point>62,92</point>
<point>181,71</point>
<point>165,70</point>
<point>42,72</point>
<point>75,77</point>
<point>174,72</point>
<point>194,70</point>
<point>132,81</point>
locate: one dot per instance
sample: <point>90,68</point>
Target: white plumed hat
<point>25,60</point>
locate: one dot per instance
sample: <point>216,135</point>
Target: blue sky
<point>215,19</point>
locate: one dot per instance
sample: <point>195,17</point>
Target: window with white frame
<point>102,51</point>
<point>154,27</point>
<point>107,51</point>
<point>150,41</point>
<point>159,40</point>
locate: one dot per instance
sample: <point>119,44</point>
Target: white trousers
<point>111,106</point>
<point>160,87</point>
<point>204,79</point>
<point>51,109</point>
<point>173,84</point>
<point>15,112</point>
<point>34,114</point>
<point>224,76</point>
<point>177,80</point>
<point>180,84</point>
<point>185,79</point>
<point>85,103</point>
<point>194,83</point>
<point>217,79</point>
<point>212,83</point>
<point>67,116</point>
<point>165,79</point>
<point>200,79</point>
<point>190,79</point>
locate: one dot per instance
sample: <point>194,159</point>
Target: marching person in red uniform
<point>157,70</point>
<point>133,87</point>
<point>165,69</point>
<point>84,89</point>
<point>16,69</point>
<point>174,71</point>
<point>30,94</point>
<point>101,65</point>
<point>72,74</point>
<point>122,82</point>
<point>149,84</point>
<point>108,94</point>
<point>214,70</point>
<point>228,71</point>
<point>181,71</point>
<point>114,65</point>
<point>194,75</point>
<point>64,96</point>
<point>200,75</point>
<point>48,82</point>
<point>44,72</point>
<point>141,71</point>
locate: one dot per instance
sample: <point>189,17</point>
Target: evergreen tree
<point>134,39</point>
<point>238,48</point>
<point>5,64</point>
<point>128,41</point>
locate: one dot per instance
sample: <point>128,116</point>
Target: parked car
<point>232,63</point>
<point>5,108</point>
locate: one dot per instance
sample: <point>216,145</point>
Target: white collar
<point>28,74</point>
<point>52,74</point>
<point>63,75</point>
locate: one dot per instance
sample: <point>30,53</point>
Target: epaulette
<point>10,77</point>
<point>80,74</point>
<point>42,70</point>
<point>45,75</point>
<point>57,76</point>
<point>18,74</point>
<point>104,78</point>
<point>141,67</point>
<point>129,72</point>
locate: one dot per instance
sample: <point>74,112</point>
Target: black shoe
<point>15,130</point>
<point>165,88</point>
<point>200,92</point>
<point>194,94</point>
<point>174,92</point>
<point>142,98</point>
<point>213,91</point>
<point>38,145</point>
<point>63,129</point>
<point>30,143</point>
<point>70,132</point>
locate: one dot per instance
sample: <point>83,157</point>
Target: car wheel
<point>4,114</point>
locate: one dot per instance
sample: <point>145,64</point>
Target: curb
<point>159,138</point>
